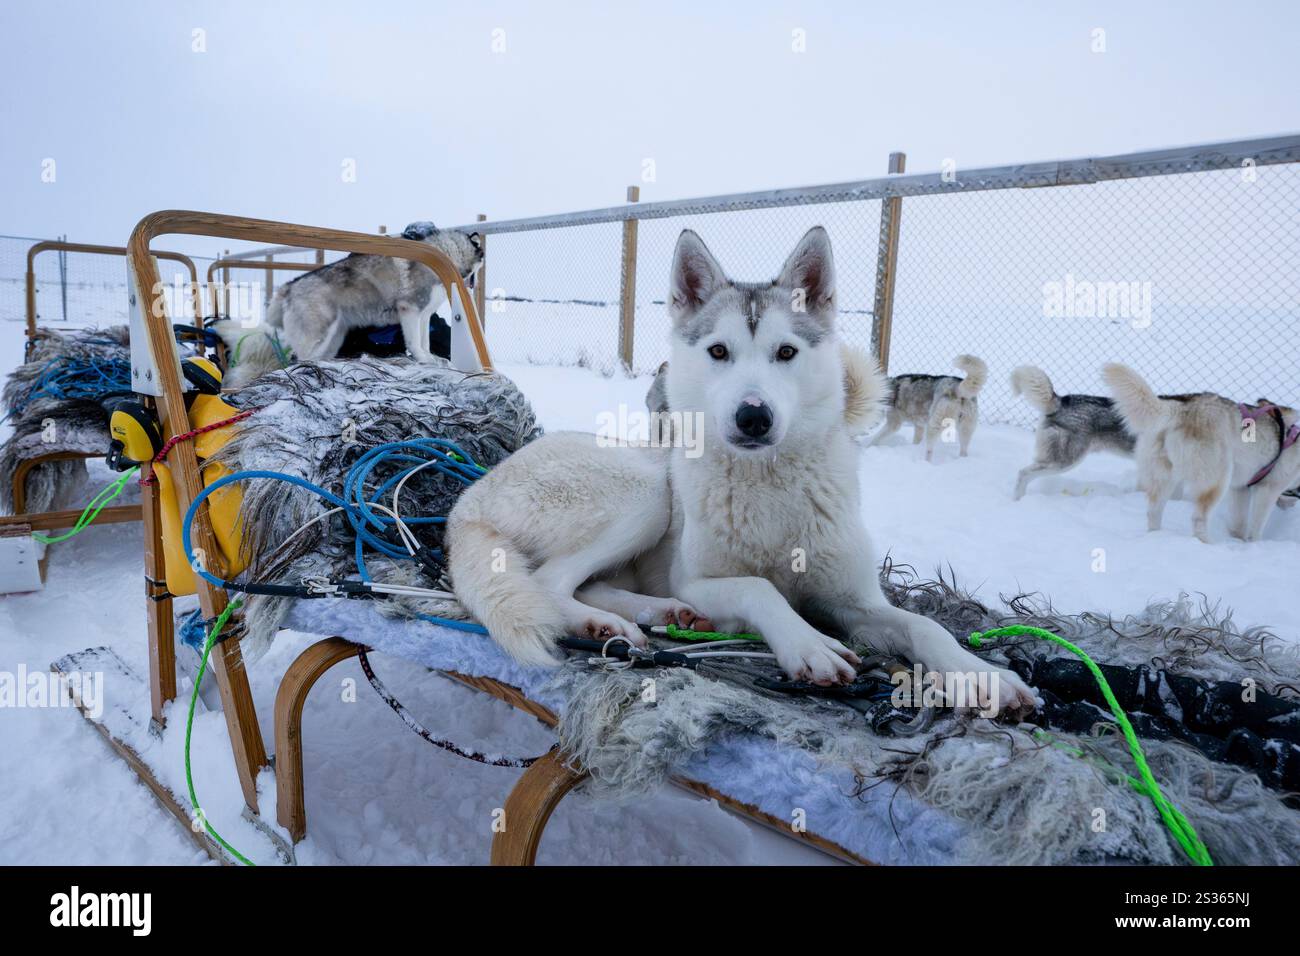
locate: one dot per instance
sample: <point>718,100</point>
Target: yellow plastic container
<point>223,505</point>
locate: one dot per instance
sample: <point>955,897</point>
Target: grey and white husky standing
<point>933,403</point>
<point>1203,441</point>
<point>761,529</point>
<point>1072,426</point>
<point>311,315</point>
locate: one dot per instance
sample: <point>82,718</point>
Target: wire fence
<point>1184,263</point>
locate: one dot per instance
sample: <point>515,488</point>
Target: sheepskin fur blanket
<point>47,425</point>
<point>315,420</point>
<point>1028,795</point>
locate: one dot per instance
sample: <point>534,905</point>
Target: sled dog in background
<point>1072,426</point>
<point>932,403</point>
<point>311,315</point>
<point>1212,444</point>
<point>566,536</point>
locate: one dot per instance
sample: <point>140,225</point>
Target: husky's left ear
<point>810,274</point>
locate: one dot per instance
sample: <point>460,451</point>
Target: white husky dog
<point>1204,441</point>
<point>758,528</point>
<point>311,315</point>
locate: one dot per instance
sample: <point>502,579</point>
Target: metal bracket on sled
<point>464,354</point>
<point>144,372</point>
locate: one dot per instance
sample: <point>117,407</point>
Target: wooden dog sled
<point>541,787</point>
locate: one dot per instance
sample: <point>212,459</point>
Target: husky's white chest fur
<point>785,518</point>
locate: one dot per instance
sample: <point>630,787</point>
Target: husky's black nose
<point>754,419</point>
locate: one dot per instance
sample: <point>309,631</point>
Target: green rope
<point>217,625</point>
<point>92,510</point>
<point>685,634</point>
<point>1177,824</point>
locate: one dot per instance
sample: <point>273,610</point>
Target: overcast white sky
<point>441,126</point>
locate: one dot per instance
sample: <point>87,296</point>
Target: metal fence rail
<point>1182,262</point>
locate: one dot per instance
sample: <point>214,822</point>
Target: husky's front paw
<point>661,611</point>
<point>602,626</point>
<point>995,690</point>
<point>816,658</point>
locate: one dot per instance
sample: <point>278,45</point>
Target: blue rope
<point>67,378</point>
<point>430,454</point>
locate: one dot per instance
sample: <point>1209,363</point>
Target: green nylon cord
<point>1177,823</point>
<point>686,634</point>
<point>93,509</point>
<point>217,625</point>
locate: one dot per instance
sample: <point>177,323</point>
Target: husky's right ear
<point>695,276</point>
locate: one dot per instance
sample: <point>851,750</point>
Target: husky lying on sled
<point>310,316</point>
<point>760,530</point>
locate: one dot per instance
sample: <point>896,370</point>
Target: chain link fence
<point>552,296</point>
<point>1184,263</point>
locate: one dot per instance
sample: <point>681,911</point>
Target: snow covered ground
<point>378,794</point>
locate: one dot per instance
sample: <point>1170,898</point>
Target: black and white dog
<point>1071,428</point>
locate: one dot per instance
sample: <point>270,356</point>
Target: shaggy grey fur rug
<point>1028,795</point>
<point>315,420</point>
<point>48,425</point>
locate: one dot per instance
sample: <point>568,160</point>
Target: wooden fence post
<point>627,290</point>
<point>480,280</point>
<point>270,278</point>
<point>882,319</point>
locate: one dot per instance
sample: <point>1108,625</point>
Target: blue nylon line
<point>355,504</point>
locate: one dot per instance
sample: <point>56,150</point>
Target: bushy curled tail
<point>492,581</point>
<point>976,373</point>
<point>1142,408</point>
<point>865,390</point>
<point>1035,387</point>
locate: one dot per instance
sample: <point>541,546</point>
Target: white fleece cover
<point>885,825</point>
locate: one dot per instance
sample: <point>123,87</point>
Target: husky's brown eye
<point>786,352</point>
<point>718,352</point>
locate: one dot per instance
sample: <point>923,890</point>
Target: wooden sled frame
<point>542,786</point>
<point>221,305</point>
<point>60,246</point>
<point>26,522</point>
<point>530,803</point>
<point>227,663</point>
<point>221,297</point>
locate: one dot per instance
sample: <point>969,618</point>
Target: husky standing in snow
<point>760,530</point>
<point>932,403</point>
<point>1205,441</point>
<point>1072,426</point>
<point>311,315</point>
